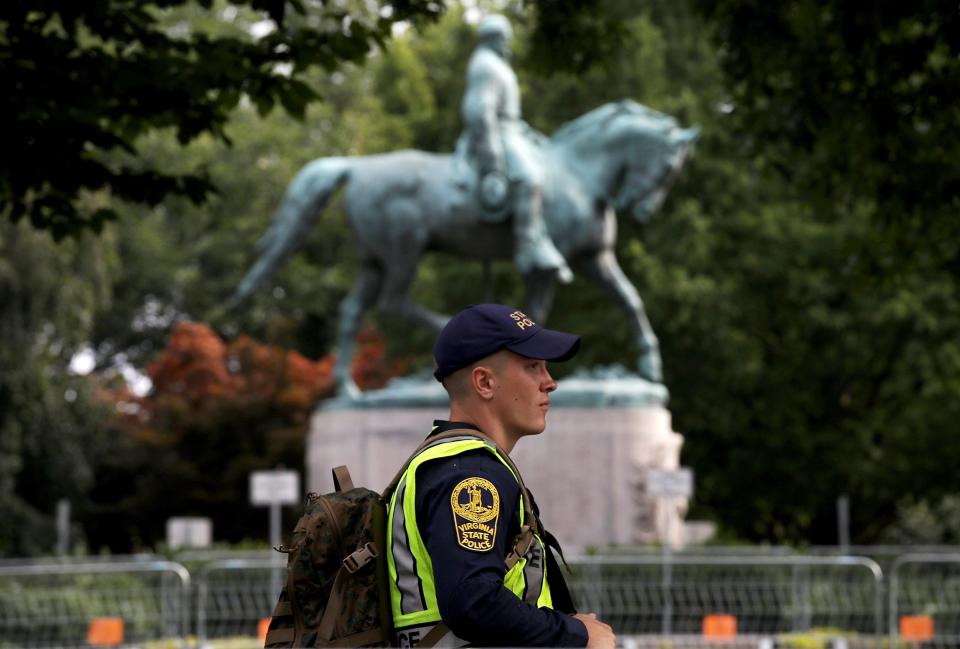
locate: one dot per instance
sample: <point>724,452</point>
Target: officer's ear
<point>487,372</point>
<point>483,381</point>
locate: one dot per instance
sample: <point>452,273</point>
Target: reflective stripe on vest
<point>413,595</point>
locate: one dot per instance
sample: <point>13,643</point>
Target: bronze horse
<point>618,158</point>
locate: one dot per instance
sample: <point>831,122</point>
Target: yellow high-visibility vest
<point>413,595</point>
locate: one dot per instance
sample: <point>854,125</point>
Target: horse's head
<point>655,149</point>
<point>648,184</point>
<point>643,149</point>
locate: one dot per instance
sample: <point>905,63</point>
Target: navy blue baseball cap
<point>482,329</point>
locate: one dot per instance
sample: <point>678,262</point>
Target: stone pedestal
<point>586,470</point>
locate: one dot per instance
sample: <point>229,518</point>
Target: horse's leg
<point>395,298</point>
<point>605,271</point>
<point>362,296</point>
<point>539,288</point>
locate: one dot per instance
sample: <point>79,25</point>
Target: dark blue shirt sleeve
<point>473,600</point>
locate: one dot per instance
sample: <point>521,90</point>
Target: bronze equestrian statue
<point>508,191</point>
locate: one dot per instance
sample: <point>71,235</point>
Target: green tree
<point>850,114</point>
<point>90,78</point>
<point>855,104</point>
<point>50,421</point>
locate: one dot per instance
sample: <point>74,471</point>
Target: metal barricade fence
<point>233,595</point>
<point>766,595</point>
<point>640,595</point>
<point>69,560</point>
<point>925,599</point>
<point>57,605</point>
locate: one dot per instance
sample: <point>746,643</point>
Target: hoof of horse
<point>649,367</point>
<point>541,276</point>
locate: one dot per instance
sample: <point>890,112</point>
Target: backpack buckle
<point>524,540</point>
<point>521,545</point>
<point>359,558</point>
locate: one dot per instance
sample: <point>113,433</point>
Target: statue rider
<point>501,149</point>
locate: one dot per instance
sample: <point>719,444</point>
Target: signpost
<point>189,532</point>
<point>670,483</point>
<point>63,527</point>
<point>274,489</point>
<point>666,485</point>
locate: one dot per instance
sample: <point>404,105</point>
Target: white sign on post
<point>189,532</point>
<point>670,483</point>
<point>274,488</point>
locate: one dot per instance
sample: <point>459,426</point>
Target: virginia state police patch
<point>476,504</point>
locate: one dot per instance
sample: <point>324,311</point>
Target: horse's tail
<point>308,193</point>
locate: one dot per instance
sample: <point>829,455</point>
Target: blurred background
<point>802,275</point>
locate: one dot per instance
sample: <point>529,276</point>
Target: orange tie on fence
<point>717,626</point>
<point>916,628</point>
<point>105,631</point>
<point>262,627</point>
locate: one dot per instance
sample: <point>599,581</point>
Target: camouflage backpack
<point>336,569</point>
<point>337,592</point>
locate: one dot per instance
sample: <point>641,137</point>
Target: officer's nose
<point>549,385</point>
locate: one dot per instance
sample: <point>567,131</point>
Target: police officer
<point>458,508</point>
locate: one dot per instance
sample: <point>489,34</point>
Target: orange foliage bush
<point>199,371</point>
<point>370,368</point>
<point>217,411</point>
<point>192,365</point>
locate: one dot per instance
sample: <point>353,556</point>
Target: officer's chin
<point>534,430</point>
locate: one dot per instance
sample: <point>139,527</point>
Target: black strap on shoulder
<point>559,591</point>
<point>552,542</point>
